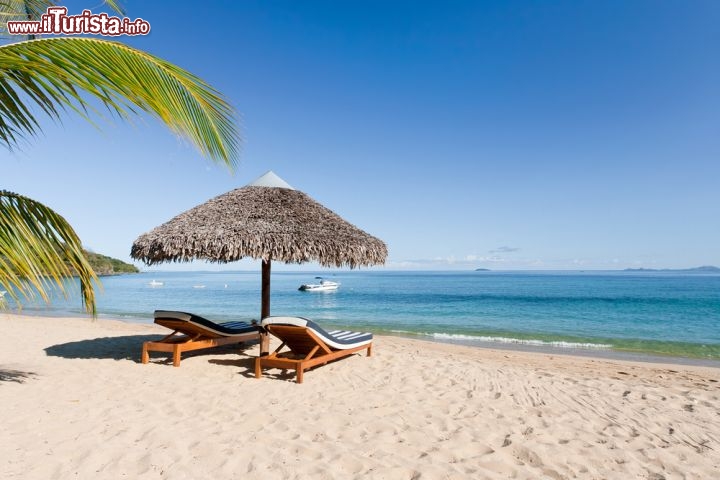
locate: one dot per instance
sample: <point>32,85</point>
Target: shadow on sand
<point>246,364</point>
<point>115,348</point>
<point>130,347</point>
<point>16,376</point>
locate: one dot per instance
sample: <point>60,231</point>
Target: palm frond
<point>58,73</point>
<point>21,10</point>
<point>33,9</point>
<point>39,250</point>
<point>24,9</point>
<point>115,6</point>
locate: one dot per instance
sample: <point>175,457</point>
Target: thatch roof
<point>260,222</point>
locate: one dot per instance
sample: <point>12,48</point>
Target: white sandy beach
<point>76,403</point>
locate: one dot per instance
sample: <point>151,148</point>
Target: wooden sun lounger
<point>309,345</point>
<point>192,332</point>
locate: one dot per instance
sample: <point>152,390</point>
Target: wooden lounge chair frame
<point>187,337</point>
<point>307,350</point>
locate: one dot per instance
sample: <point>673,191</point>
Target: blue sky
<point>502,135</point>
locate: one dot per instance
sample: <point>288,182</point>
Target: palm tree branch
<point>33,9</point>
<point>39,250</point>
<point>20,114</point>
<point>123,79</point>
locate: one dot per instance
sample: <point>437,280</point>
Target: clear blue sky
<point>504,135</point>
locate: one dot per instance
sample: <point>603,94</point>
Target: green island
<point>104,265</point>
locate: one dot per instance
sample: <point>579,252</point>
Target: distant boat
<point>322,286</point>
<point>198,286</point>
<point>155,283</point>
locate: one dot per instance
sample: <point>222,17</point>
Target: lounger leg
<point>299,370</point>
<point>176,356</point>
<point>369,351</point>
<point>258,368</point>
<point>145,357</point>
<point>264,344</point>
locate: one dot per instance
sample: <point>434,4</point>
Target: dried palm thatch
<point>267,220</point>
<point>268,223</point>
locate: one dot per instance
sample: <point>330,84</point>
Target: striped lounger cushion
<point>224,328</point>
<point>338,339</point>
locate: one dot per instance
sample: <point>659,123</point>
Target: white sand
<point>76,403</point>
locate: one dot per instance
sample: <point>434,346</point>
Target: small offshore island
<point>104,265</point>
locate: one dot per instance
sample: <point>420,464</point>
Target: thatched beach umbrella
<point>266,220</point>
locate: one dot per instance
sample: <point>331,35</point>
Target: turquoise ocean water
<point>657,313</point>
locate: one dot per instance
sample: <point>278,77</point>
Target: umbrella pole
<point>265,309</point>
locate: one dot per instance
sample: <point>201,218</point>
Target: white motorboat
<point>155,283</point>
<point>322,286</point>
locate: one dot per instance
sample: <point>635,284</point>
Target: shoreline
<point>599,353</point>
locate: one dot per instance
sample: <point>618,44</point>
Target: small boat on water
<point>155,283</point>
<point>322,286</point>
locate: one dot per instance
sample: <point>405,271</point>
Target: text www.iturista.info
<point>57,22</point>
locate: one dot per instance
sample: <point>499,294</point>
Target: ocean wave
<point>510,340</point>
<point>521,341</point>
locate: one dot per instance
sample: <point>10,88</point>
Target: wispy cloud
<point>504,249</point>
<point>513,262</point>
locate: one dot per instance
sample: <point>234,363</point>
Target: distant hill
<point>104,265</point>
<point>703,269</point>
<point>482,269</point>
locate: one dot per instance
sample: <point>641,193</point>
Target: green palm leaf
<point>61,73</point>
<point>38,249</point>
<point>19,10</point>
<point>23,9</point>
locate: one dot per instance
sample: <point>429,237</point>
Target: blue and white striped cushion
<point>338,339</point>
<point>234,325</point>
<point>227,329</point>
